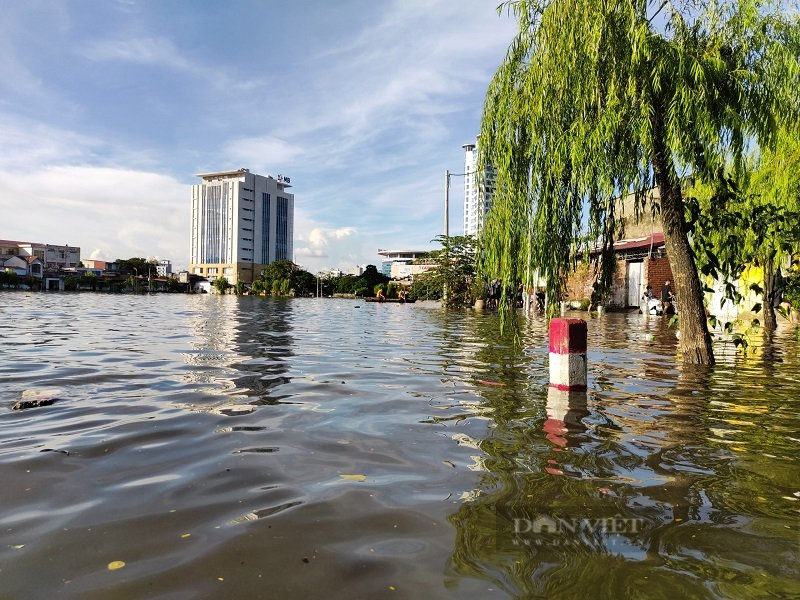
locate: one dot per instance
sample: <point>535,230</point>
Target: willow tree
<point>750,218</point>
<point>598,98</point>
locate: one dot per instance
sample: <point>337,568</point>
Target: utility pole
<point>446,227</point>
<point>447,205</point>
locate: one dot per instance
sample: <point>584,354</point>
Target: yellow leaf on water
<point>185,535</point>
<point>115,564</point>
<point>354,477</point>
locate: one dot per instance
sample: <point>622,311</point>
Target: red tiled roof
<point>656,240</point>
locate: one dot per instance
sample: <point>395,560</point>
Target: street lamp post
<point>447,176</point>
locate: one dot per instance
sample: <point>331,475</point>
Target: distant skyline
<point>109,108</point>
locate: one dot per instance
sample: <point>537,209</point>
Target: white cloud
<point>162,52</point>
<point>109,212</point>
<point>146,50</point>
<point>260,154</point>
<point>309,253</point>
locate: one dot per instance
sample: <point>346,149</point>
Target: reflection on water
<point>240,447</point>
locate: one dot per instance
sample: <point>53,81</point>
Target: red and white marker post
<point>568,355</point>
<point>566,398</point>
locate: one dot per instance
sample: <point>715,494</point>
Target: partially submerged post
<point>568,354</point>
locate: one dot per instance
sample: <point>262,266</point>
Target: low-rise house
<point>14,264</point>
<point>52,256</point>
<point>641,258</point>
<point>35,266</point>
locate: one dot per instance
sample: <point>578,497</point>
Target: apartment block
<point>478,191</point>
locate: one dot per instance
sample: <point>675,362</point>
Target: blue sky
<point>108,108</point>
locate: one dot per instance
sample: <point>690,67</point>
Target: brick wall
<point>656,272</point>
<point>580,281</point>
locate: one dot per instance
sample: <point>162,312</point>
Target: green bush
<point>791,290</point>
<point>221,284</point>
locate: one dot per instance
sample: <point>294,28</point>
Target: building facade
<point>399,264</point>
<point>240,223</point>
<point>164,268</point>
<point>53,257</point>
<point>477,191</point>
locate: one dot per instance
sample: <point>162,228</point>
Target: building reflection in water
<point>242,347</point>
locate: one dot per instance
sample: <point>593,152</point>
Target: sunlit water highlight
<point>225,447</point>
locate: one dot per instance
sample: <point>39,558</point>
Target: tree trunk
<point>770,292</point>
<point>695,341</point>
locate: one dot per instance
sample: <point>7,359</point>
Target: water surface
<point>226,447</point>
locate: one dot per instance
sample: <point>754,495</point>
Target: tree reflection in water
<point>622,492</point>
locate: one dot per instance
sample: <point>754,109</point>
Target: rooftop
<point>284,181</point>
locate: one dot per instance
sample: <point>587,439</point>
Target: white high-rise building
<point>241,222</point>
<point>477,193</point>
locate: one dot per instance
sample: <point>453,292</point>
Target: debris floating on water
<point>37,398</point>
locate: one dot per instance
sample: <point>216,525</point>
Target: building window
<point>265,216</point>
<point>282,230</point>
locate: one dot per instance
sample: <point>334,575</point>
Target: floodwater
<point>226,447</point>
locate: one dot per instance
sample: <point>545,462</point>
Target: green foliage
<point>282,278</point>
<point>135,265</point>
<point>594,99</point>
<point>221,284</point>
<point>304,283</point>
<point>359,286</point>
<point>426,287</point>
<point>749,216</point>
<point>173,284</point>
<point>791,291</point>
<point>71,283</point>
<point>88,280</point>
<point>346,284</point>
<point>453,276</point>
<point>9,279</point>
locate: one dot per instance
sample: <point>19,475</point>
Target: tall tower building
<point>241,222</point>
<point>477,192</point>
